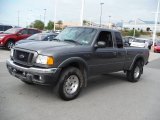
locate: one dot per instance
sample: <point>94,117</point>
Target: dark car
<point>75,55</point>
<point>38,37</point>
<point>5,27</point>
<point>11,36</point>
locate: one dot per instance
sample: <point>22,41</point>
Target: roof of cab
<point>98,28</point>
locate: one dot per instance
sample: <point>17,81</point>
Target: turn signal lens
<point>50,61</point>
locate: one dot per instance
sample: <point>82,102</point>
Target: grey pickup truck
<point>75,55</point>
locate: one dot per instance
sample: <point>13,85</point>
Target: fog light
<point>40,77</point>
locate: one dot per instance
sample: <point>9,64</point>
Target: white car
<point>137,42</point>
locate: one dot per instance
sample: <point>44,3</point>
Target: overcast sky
<point>69,10</point>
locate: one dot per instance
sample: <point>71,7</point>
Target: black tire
<point>149,47</point>
<point>67,88</point>
<point>131,74</point>
<point>10,44</point>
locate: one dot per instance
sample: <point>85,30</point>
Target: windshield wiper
<point>73,41</point>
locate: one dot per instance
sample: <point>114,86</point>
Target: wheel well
<point>77,65</point>
<point>141,60</point>
<point>10,40</point>
<point>81,67</point>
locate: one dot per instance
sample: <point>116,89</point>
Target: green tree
<point>60,23</point>
<point>131,32</point>
<point>85,22</point>
<point>50,25</point>
<point>38,24</point>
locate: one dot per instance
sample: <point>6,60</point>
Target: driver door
<point>104,60</point>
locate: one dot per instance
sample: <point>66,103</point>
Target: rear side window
<point>106,37</point>
<point>24,32</point>
<point>32,31</point>
<point>119,40</point>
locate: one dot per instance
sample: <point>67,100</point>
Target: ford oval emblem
<point>21,56</point>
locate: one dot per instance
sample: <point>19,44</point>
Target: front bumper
<point>35,75</point>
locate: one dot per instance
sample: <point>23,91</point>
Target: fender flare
<point>80,61</point>
<point>139,56</point>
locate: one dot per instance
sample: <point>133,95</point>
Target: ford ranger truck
<point>74,56</point>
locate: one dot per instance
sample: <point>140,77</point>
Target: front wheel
<point>70,83</point>
<point>10,44</point>
<point>135,73</point>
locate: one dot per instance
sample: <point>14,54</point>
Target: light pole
<point>55,11</point>
<point>101,13</point>
<point>44,15</point>
<point>155,26</point>
<point>18,17</point>
<point>134,32</point>
<point>40,17</point>
<point>121,25</point>
<point>109,21</point>
<point>82,13</point>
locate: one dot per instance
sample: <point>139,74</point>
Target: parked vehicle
<point>126,42</point>
<point>38,37</point>
<point>5,27</point>
<point>9,37</point>
<point>138,42</point>
<point>157,46</point>
<point>74,56</point>
<point>128,39</point>
<point>150,43</point>
<point>57,31</point>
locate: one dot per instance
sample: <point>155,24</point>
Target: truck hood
<point>26,41</point>
<point>43,46</point>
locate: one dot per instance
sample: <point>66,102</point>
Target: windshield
<point>83,36</point>
<point>37,37</point>
<point>139,41</point>
<point>11,31</point>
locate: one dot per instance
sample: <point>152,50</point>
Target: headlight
<point>46,60</point>
<point>12,52</point>
<point>1,37</point>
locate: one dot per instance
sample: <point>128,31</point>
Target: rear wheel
<point>70,83</point>
<point>10,44</point>
<point>135,73</point>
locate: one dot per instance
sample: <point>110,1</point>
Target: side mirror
<point>100,44</point>
<point>19,34</point>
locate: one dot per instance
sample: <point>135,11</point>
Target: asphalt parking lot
<point>107,97</point>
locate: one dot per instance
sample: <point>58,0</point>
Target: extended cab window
<point>106,37</point>
<point>119,40</point>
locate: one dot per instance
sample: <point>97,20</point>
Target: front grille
<point>23,57</point>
